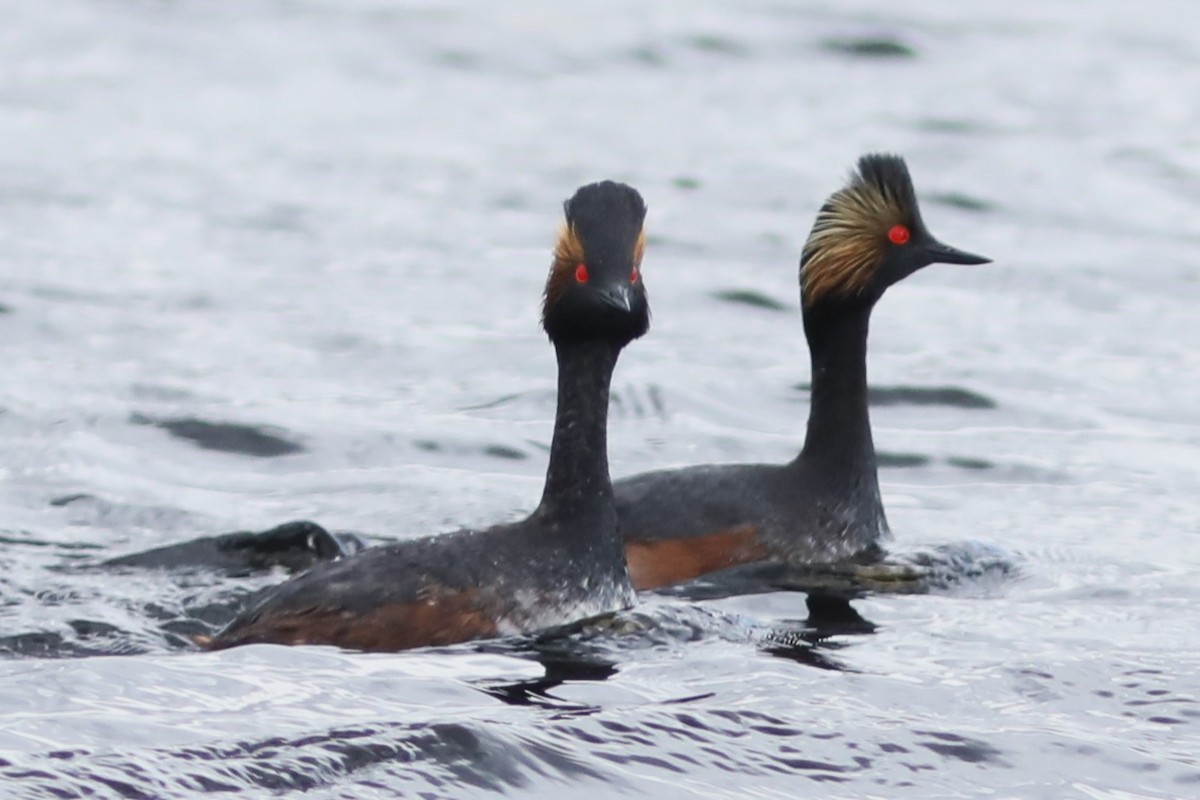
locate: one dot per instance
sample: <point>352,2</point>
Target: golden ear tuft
<point>568,253</point>
<point>568,249</point>
<point>849,240</point>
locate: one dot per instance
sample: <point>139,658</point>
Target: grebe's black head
<point>869,235</point>
<point>595,288</point>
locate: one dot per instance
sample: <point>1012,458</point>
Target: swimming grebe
<point>824,506</point>
<point>564,562</point>
<point>294,546</point>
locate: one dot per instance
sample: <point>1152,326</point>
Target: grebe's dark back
<point>561,564</point>
<point>824,506</point>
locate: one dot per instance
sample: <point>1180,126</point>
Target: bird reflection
<point>813,642</point>
<point>564,657</point>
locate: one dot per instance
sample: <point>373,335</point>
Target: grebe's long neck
<point>577,480</point>
<point>839,453</point>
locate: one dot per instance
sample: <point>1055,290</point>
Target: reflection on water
<point>224,436</point>
<point>815,643</point>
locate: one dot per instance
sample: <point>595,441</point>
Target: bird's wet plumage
<point>563,563</point>
<point>825,506</point>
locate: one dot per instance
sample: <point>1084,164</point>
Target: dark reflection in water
<point>751,298</point>
<point>949,396</point>
<point>225,437</point>
<point>871,48</point>
<point>593,652</point>
<point>564,661</point>
<point>961,748</point>
<point>813,643</point>
<point>887,460</point>
<point>962,201</point>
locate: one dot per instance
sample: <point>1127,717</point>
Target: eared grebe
<point>564,562</point>
<point>294,546</point>
<point>824,506</point>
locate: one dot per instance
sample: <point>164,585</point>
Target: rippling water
<point>270,260</point>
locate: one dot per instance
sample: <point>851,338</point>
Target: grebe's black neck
<point>838,448</point>
<point>577,480</point>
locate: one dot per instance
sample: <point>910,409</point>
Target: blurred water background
<point>282,258</point>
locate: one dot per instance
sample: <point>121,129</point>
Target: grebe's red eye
<point>898,234</point>
<point>581,273</point>
<point>633,276</point>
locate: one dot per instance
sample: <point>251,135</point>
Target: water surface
<point>312,235</point>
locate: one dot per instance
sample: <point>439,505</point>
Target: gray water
<point>328,222</point>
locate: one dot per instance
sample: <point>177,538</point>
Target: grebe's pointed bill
<point>619,297</point>
<point>945,254</point>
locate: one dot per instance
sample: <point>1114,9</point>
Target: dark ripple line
<point>465,756</point>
